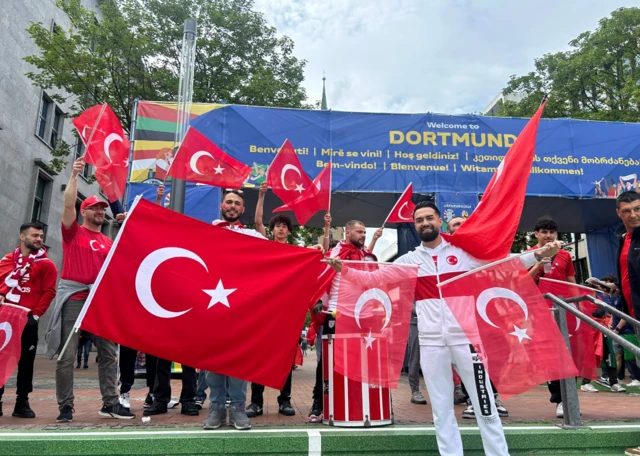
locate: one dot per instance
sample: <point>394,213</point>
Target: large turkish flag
<point>503,314</point>
<point>204,296</point>
<point>12,322</point>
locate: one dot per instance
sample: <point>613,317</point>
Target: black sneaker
<point>66,414</point>
<point>286,409</point>
<point>0,408</point>
<point>189,409</point>
<point>116,411</point>
<point>22,410</point>
<point>148,401</point>
<point>199,403</point>
<point>252,410</point>
<point>155,409</point>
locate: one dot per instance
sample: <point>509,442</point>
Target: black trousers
<point>127,368</point>
<point>28,345</point>
<point>257,392</point>
<point>151,363</point>
<point>162,385</point>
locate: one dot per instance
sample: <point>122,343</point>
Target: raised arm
<point>159,194</point>
<point>260,209</point>
<point>375,238</point>
<point>327,231</point>
<point>71,194</point>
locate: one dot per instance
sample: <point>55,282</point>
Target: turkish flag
<point>112,179</point>
<point>314,199</point>
<point>203,296</point>
<point>200,160</point>
<point>505,318</point>
<point>12,322</point>
<point>489,231</point>
<point>109,143</point>
<point>372,322</point>
<point>285,175</point>
<point>402,212</point>
<point>584,338</point>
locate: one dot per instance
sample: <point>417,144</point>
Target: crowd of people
<point>453,374</point>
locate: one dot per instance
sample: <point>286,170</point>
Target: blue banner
<point>455,205</point>
<point>201,202</point>
<point>438,153</point>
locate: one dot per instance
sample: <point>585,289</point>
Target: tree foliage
<point>598,79</point>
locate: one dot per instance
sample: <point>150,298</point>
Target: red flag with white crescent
<point>285,175</point>
<point>12,322</point>
<point>402,212</point>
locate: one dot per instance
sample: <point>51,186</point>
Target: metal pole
<point>185,98</point>
<point>568,388</point>
<point>613,311</point>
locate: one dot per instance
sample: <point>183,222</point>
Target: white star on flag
<point>219,169</point>
<point>219,295</point>
<point>520,333</point>
<point>299,188</point>
<point>369,341</point>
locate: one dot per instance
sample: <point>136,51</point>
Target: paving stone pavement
<point>531,407</point>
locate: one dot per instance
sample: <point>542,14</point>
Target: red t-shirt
<point>561,267</point>
<point>624,272</point>
<point>84,252</point>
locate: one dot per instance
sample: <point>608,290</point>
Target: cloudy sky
<point>446,56</point>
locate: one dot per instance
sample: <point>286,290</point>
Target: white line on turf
<point>315,443</point>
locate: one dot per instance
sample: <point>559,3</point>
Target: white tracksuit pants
<point>436,364</point>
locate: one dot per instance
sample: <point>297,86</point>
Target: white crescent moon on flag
<point>107,143</point>
<point>284,171</point>
<point>8,331</point>
<point>145,274</point>
<point>84,133</point>
<point>493,293</point>
<point>406,204</point>
<point>194,160</point>
<point>378,295</point>
<point>92,246</point>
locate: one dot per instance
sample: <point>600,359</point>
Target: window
<point>40,199</point>
<point>56,127</point>
<point>45,108</point>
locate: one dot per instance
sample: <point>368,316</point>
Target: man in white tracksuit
<point>442,341</point>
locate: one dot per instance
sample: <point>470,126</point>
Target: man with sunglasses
<point>84,249</point>
<point>223,386</point>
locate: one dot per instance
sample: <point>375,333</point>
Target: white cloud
<point>447,56</point>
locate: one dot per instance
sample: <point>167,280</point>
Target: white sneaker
<point>125,400</point>
<point>172,404</point>
<point>559,411</point>
<point>634,383</point>
<point>589,388</point>
<point>618,388</point>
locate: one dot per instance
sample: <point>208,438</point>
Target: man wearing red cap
<point>84,249</point>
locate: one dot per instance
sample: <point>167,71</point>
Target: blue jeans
<point>84,348</point>
<point>222,386</point>
<point>201,392</point>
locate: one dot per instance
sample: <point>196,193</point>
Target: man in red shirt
<point>28,279</point>
<point>84,249</point>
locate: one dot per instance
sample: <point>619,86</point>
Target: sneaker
<point>199,403</point>
<point>632,451</point>
<point>315,416</point>
<point>418,398</point>
<point>148,401</point>
<point>155,409</point>
<point>238,418</point>
<point>559,411</point>
<point>468,413</point>
<point>66,414</point>
<point>603,381</point>
<point>618,388</point>
<point>86,366</point>
<point>78,366</point>
<point>124,400</point>
<point>634,383</point>
<point>22,410</point>
<point>253,410</point>
<point>116,411</point>
<point>0,408</point>
<point>217,417</point>
<point>589,388</point>
<point>189,409</point>
<point>286,409</point>
<point>459,398</point>
<point>172,404</point>
<point>502,410</point>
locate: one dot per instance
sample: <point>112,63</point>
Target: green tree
<point>598,79</point>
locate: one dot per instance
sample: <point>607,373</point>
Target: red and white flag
<point>402,212</point>
<point>107,148</point>
<point>505,318</point>
<point>200,160</point>
<point>372,322</point>
<point>12,322</point>
<point>204,296</point>
<point>314,199</point>
<point>584,338</point>
<point>285,175</point>
<point>489,231</point>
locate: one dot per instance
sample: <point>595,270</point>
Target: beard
<point>429,235</point>
<point>230,218</point>
<point>32,246</point>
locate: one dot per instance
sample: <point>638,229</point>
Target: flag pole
<point>166,175</point>
<point>330,179</point>
<point>88,143</point>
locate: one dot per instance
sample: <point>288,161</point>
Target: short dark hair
<point>27,226</point>
<point>627,197</point>
<point>278,219</point>
<point>610,278</point>
<point>545,223</point>
<point>426,204</point>
<point>351,223</point>
<point>235,191</point>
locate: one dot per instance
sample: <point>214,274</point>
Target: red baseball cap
<point>92,201</point>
